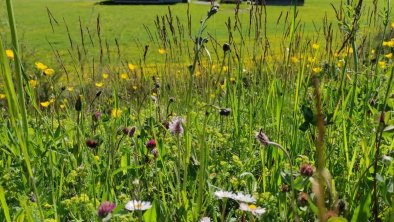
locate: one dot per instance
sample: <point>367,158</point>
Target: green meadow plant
<point>95,135</point>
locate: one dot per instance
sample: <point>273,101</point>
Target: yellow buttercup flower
<point>311,59</point>
<point>70,88</point>
<point>294,59</point>
<point>317,69</point>
<point>315,46</point>
<point>162,51</point>
<point>382,64</point>
<point>9,53</point>
<point>388,43</point>
<point>116,113</point>
<point>131,66</point>
<point>62,106</point>
<point>2,96</point>
<point>45,104</point>
<point>41,66</point>
<point>99,84</point>
<point>105,76</point>
<point>225,68</point>
<point>135,87</point>
<point>341,63</point>
<point>33,83</point>
<point>123,76</point>
<point>349,50</point>
<point>49,72</point>
<point>392,25</point>
<point>97,158</point>
<point>198,74</point>
<point>389,56</point>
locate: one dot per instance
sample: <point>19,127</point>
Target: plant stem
<point>291,177</point>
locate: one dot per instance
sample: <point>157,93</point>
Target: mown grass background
<point>125,22</point>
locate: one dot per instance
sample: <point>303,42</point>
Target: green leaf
<point>4,205</point>
<point>389,129</point>
<point>151,214</point>
<point>307,113</point>
<point>304,127</point>
<point>362,212</point>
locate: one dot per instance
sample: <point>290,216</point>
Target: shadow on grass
<point>110,2</point>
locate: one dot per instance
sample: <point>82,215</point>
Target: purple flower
<point>91,143</point>
<point>151,144</point>
<point>96,116</point>
<point>105,208</point>
<point>175,126</point>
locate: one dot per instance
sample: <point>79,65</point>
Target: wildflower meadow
<point>197,111</point>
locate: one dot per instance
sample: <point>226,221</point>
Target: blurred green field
<point>126,22</point>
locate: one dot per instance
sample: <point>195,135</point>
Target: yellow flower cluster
<point>44,69</point>
<point>389,43</point>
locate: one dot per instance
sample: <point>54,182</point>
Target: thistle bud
<point>91,143</point>
<point>78,104</point>
<point>225,111</point>
<point>214,10</point>
<point>226,47</point>
<point>262,138</point>
<point>151,144</point>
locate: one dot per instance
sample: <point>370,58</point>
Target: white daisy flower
<point>224,194</point>
<point>244,198</point>
<point>255,210</point>
<point>138,205</point>
<point>205,219</point>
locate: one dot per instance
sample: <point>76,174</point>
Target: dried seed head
<point>302,199</point>
<point>262,138</point>
<point>284,188</point>
<point>155,153</point>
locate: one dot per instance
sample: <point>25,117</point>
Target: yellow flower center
<point>252,207</point>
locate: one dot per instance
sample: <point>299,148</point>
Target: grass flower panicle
<point>138,205</point>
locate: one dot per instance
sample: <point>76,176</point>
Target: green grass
<point>125,22</point>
